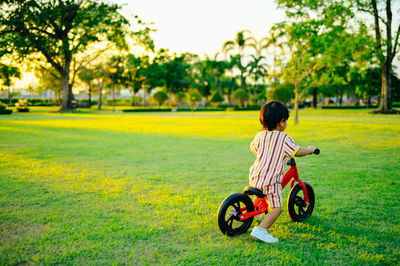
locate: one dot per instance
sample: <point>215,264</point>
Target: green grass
<point>104,188</point>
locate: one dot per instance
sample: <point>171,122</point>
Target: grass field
<point>103,188</point>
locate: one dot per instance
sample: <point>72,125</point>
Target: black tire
<point>229,214</point>
<point>297,209</point>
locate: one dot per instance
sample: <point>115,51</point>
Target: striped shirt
<point>271,149</point>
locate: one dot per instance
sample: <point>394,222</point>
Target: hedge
<point>350,107</point>
<point>148,110</point>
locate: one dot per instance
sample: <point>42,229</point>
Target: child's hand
<point>312,149</point>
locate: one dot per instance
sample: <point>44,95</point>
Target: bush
<point>200,109</point>
<point>348,107</point>
<point>41,102</point>
<point>217,97</point>
<point>395,104</point>
<point>22,105</point>
<point>117,102</point>
<point>248,108</point>
<point>3,107</point>
<point>262,96</point>
<point>7,102</point>
<point>148,110</point>
<point>160,97</point>
<point>195,97</point>
<point>180,97</point>
<point>241,95</point>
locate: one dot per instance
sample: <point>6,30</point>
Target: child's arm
<point>254,146</point>
<point>305,151</point>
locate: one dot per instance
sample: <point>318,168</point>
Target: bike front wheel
<point>229,214</point>
<point>297,209</point>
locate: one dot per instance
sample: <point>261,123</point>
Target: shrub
<point>22,104</point>
<point>180,97</point>
<point>40,102</point>
<point>217,97</point>
<point>195,97</point>
<point>3,107</point>
<point>148,110</point>
<point>262,96</point>
<point>160,97</point>
<point>241,95</point>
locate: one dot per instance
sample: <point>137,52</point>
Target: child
<point>272,146</point>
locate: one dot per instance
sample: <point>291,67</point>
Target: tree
<point>59,30</point>
<point>281,92</point>
<point>194,97</point>
<point>257,70</point>
<point>160,97</point>
<point>115,74</point>
<point>86,75</point>
<point>386,47</point>
<point>323,43</point>
<point>304,57</point>
<point>100,76</point>
<point>176,72</point>
<point>239,44</point>
<point>49,79</point>
<point>133,76</point>
<point>206,75</point>
<point>7,75</point>
<point>180,97</point>
<point>241,95</point>
<point>217,97</point>
<point>345,14</point>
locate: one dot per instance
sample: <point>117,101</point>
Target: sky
<point>202,27</point>
<point>196,26</point>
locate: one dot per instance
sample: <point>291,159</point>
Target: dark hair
<point>272,113</point>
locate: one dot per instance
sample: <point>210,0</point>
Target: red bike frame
<point>261,205</point>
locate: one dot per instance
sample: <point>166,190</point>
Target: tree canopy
<point>58,31</point>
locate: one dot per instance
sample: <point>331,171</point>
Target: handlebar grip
<point>317,151</point>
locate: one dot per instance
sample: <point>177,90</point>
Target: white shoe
<point>258,216</point>
<point>263,235</point>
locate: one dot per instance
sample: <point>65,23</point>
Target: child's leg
<point>270,218</point>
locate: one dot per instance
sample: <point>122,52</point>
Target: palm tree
<point>257,69</point>
<point>238,45</point>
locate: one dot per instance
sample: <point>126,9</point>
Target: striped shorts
<point>273,193</point>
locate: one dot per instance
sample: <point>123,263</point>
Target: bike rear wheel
<point>229,214</point>
<point>297,209</point>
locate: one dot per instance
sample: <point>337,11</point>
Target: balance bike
<point>237,211</point>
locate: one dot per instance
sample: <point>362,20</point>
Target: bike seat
<point>253,191</point>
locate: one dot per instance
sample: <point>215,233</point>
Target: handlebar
<point>317,151</point>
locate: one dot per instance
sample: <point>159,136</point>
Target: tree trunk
<point>9,96</point>
<point>67,95</point>
<point>385,103</point>
<point>341,95</point>
<point>315,91</point>
<point>65,92</point>
<point>231,89</point>
<point>144,97</point>
<point>134,98</point>
<point>296,103</point>
<point>90,94</point>
<point>113,96</point>
<point>100,94</point>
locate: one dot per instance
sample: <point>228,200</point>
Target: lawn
<point>145,188</point>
